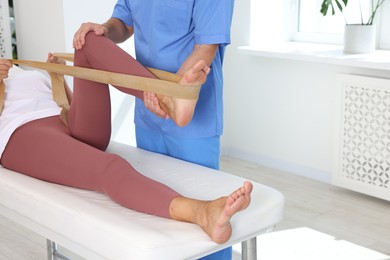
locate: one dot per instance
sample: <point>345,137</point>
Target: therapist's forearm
<point>205,52</point>
<point>117,31</point>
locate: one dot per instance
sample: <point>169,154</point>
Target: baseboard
<point>289,167</point>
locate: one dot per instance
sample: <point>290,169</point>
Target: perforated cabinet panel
<point>5,31</point>
<point>363,142</point>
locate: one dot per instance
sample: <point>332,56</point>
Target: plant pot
<point>359,38</point>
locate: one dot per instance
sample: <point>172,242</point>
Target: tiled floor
<point>343,214</point>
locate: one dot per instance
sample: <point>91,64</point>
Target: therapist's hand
<point>79,37</point>
<point>5,65</point>
<point>54,59</point>
<point>152,103</point>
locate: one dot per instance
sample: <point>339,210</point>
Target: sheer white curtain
<point>5,30</point>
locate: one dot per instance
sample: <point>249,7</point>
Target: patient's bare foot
<point>212,216</point>
<point>220,211</point>
<point>182,110</point>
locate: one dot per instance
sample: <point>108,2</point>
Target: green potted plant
<point>358,38</point>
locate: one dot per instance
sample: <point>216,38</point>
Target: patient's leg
<point>44,149</point>
<point>89,115</point>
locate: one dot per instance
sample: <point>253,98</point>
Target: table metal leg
<point>249,249</point>
<point>52,251</point>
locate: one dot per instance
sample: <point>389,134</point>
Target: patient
<point>35,142</point>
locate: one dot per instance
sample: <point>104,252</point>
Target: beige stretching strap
<point>160,74</point>
<point>159,86</point>
<point>166,84</point>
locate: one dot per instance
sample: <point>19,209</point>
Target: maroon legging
<point>74,156</point>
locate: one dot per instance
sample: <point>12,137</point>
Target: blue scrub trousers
<point>202,151</point>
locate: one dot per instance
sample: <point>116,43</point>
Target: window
<point>314,27</point>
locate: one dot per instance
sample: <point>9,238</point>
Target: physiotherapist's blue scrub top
<point>165,33</point>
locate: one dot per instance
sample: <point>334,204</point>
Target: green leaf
<point>339,5</point>
<point>330,3</point>
<point>325,6</point>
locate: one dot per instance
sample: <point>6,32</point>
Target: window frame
<point>383,32</point>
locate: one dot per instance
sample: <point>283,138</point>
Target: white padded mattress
<point>93,226</point>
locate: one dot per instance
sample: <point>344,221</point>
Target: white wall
<point>39,27</point>
<point>44,26</point>
<point>279,112</point>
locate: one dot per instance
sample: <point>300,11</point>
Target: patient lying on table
<point>34,141</point>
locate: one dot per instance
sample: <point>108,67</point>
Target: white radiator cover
<point>5,30</point>
<point>362,156</point>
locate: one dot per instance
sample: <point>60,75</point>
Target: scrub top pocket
<point>174,16</point>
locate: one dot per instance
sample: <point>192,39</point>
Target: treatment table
<point>94,227</point>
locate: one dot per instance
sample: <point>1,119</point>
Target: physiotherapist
<point>173,35</point>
